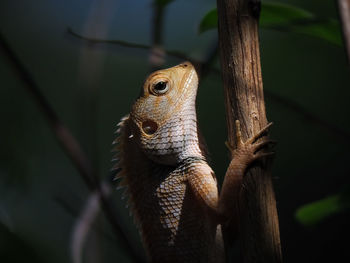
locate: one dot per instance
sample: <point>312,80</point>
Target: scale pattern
<point>174,225</point>
<point>162,163</point>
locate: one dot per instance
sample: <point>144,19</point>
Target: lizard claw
<point>263,144</point>
<point>239,139</point>
<point>229,146</point>
<point>250,150</point>
<point>238,134</point>
<point>260,133</point>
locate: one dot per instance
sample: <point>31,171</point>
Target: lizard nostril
<point>149,127</point>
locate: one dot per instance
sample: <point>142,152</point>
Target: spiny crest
<point>122,168</point>
<point>117,168</point>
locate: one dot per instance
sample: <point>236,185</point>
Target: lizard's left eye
<point>159,88</point>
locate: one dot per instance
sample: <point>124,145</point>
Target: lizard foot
<point>250,150</point>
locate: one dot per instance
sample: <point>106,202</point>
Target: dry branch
<point>244,99</point>
<point>344,12</point>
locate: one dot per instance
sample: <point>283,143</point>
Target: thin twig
<point>74,213</point>
<point>67,141</point>
<point>69,144</point>
<point>344,12</point>
<point>296,107</point>
<point>122,43</point>
<point>107,41</point>
<point>157,53</point>
<point>82,227</point>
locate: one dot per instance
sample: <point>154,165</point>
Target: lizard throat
<point>173,141</point>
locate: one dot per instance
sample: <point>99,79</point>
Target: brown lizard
<point>163,163</point>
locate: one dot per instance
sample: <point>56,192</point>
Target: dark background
<point>91,86</point>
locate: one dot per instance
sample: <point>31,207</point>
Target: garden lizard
<point>162,162</point>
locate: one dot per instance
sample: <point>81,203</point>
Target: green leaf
<point>327,30</point>
<point>278,14</point>
<point>287,18</point>
<point>209,21</point>
<point>316,212</point>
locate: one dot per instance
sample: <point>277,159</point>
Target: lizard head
<point>164,115</point>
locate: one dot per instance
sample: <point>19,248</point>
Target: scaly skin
<point>173,191</point>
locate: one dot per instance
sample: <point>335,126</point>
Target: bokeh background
<point>91,86</point>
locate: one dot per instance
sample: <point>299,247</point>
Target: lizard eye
<point>160,87</point>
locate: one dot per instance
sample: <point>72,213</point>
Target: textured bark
<point>344,12</point>
<point>244,99</point>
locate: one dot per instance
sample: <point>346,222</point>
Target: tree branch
<point>122,43</point>
<point>68,143</point>
<point>338,133</point>
<point>344,12</point>
<point>244,100</point>
<point>157,53</point>
<point>65,138</point>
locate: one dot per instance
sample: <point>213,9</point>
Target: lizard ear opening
<point>149,127</point>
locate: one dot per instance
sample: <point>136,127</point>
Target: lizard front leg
<point>202,181</point>
<point>243,156</point>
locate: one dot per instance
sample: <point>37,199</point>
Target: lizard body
<point>172,190</point>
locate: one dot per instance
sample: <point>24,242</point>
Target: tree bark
<point>344,12</point>
<point>244,100</point>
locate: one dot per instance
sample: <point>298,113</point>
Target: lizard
<point>163,164</point>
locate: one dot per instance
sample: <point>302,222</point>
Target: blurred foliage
<point>316,212</point>
<point>287,18</point>
<point>209,21</point>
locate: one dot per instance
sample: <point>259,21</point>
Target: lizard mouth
<point>149,127</point>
